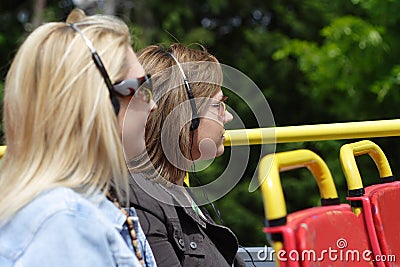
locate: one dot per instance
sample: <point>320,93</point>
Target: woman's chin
<point>220,151</point>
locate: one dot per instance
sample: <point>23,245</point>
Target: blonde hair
<point>60,126</point>
<point>205,81</point>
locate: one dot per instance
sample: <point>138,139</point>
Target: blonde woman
<point>187,126</point>
<point>63,147</point>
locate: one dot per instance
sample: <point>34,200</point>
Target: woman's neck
<point>180,181</point>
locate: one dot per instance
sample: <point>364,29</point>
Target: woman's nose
<point>228,117</point>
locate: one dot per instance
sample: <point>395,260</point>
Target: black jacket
<point>177,235</point>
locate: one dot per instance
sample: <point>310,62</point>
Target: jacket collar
<point>112,213</point>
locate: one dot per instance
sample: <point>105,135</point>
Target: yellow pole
<point>2,150</point>
<point>317,132</point>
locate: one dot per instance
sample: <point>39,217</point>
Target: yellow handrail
<point>271,188</point>
<point>348,153</point>
<point>317,132</point>
<point>303,133</point>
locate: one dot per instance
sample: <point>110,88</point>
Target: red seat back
<point>385,200</point>
<point>377,204</point>
<point>330,235</point>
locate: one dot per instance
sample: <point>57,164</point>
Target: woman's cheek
<point>207,149</point>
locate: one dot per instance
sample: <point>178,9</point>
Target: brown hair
<point>171,120</point>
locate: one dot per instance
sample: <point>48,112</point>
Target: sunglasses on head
<point>125,88</point>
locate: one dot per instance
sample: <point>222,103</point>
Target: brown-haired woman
<point>187,126</point>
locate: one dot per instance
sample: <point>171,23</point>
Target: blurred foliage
<point>316,61</point>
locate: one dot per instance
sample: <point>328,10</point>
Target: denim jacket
<point>62,228</point>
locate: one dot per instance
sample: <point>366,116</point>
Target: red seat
<point>323,236</point>
<point>330,235</point>
<point>386,215</point>
<point>377,204</point>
